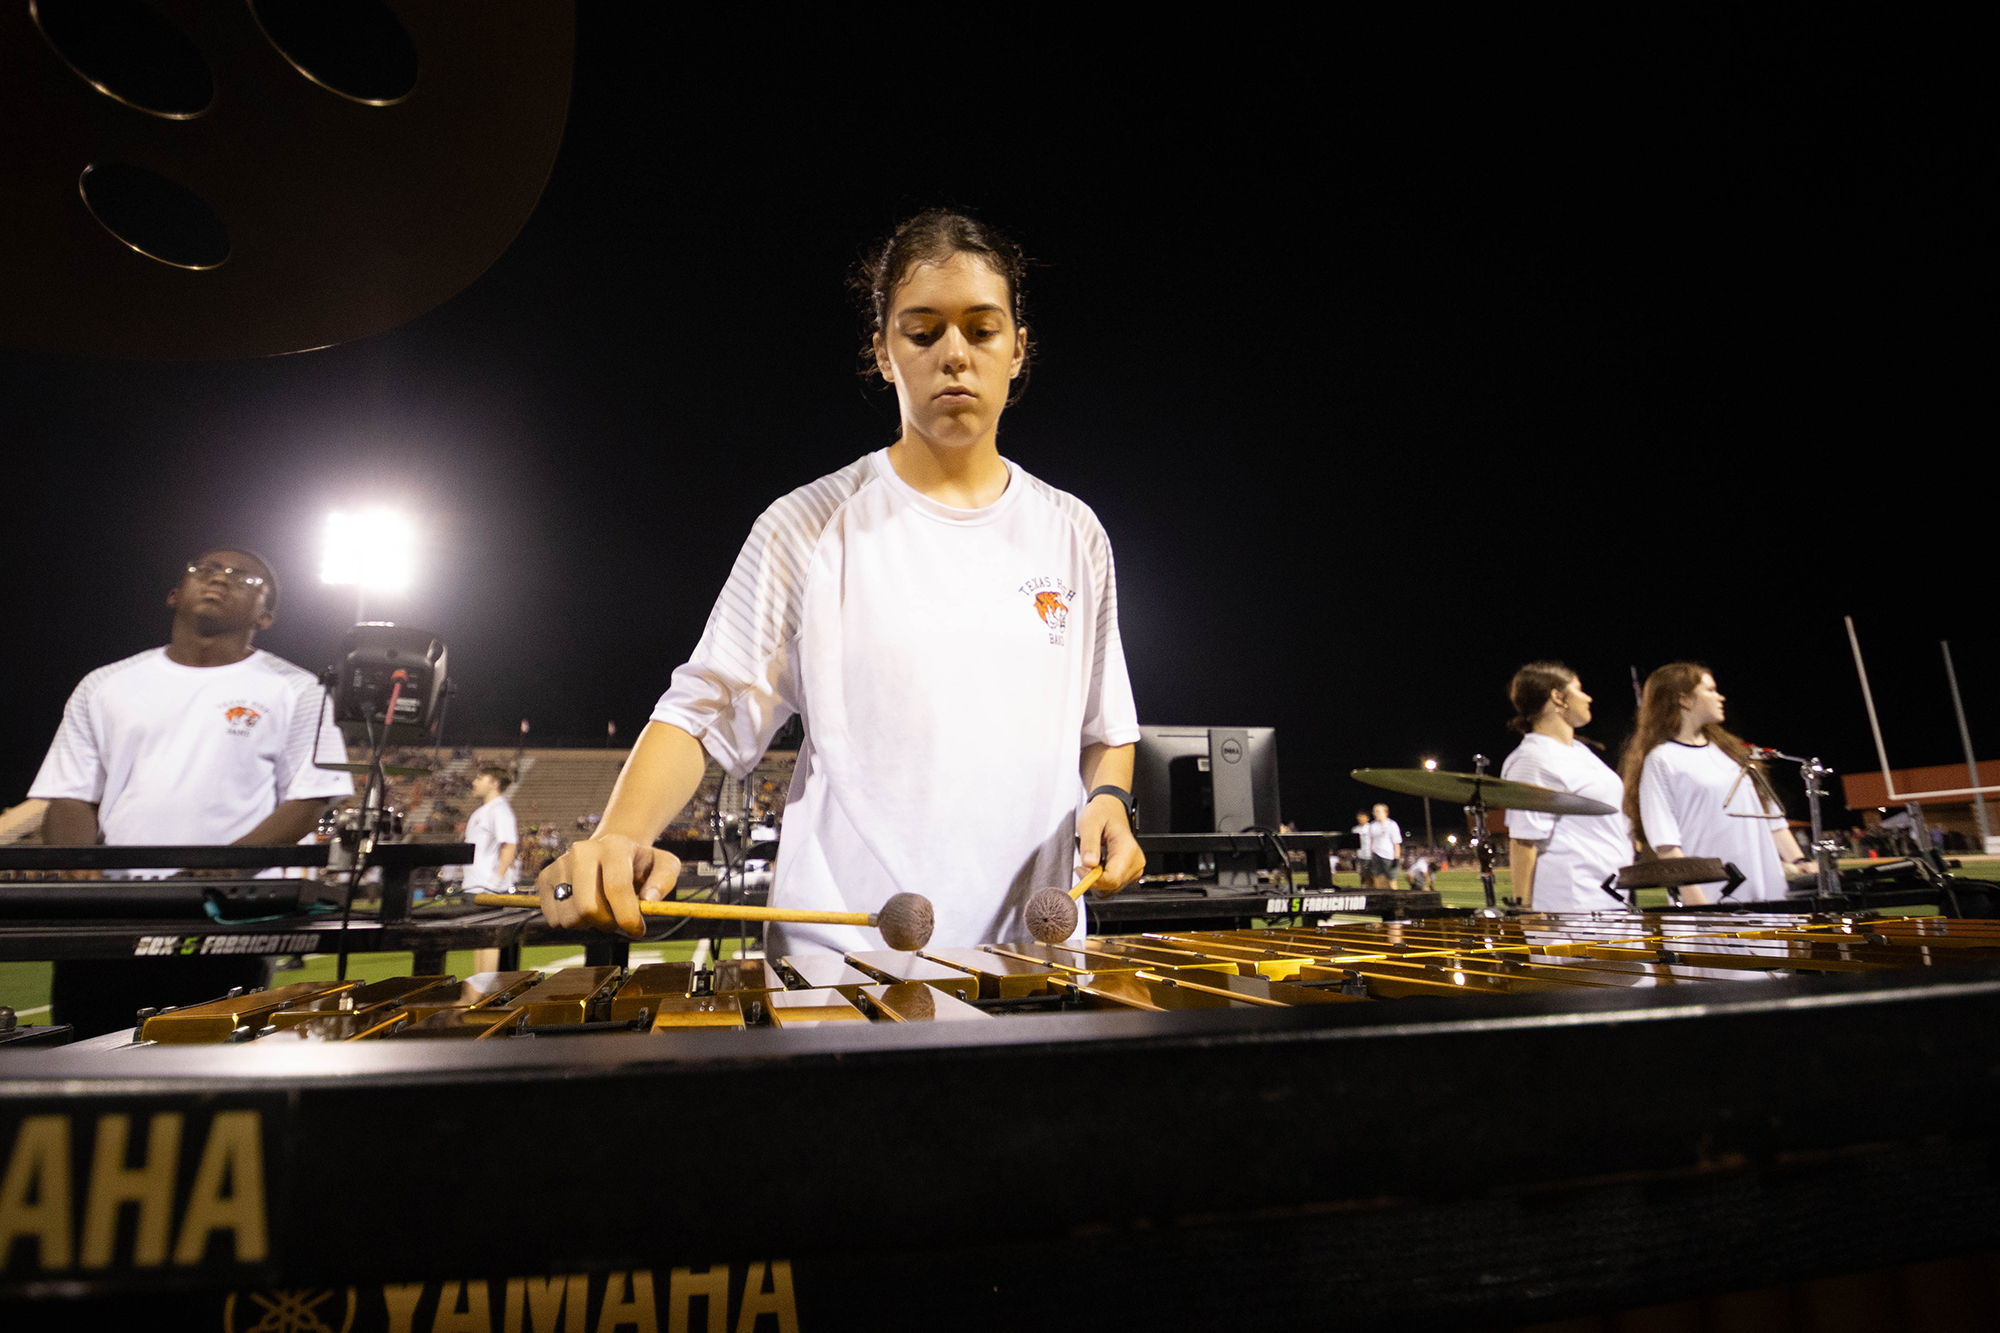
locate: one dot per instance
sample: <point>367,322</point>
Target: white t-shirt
<point>1681,804</point>
<point>492,827</point>
<point>1579,852</point>
<point>1380,837</point>
<point>176,755</point>
<point>950,665</point>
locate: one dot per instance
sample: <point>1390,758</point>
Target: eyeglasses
<point>242,578</point>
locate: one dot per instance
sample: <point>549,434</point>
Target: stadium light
<point>373,551</point>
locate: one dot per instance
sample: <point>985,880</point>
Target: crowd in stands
<point>540,844</point>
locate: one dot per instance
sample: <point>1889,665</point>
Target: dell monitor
<point>1206,779</point>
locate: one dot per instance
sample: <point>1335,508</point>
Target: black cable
<point>1269,837</point>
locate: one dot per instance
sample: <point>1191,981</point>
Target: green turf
<point>25,986</point>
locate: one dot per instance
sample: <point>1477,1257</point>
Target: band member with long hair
<point>1560,862</point>
<point>946,625</point>
<point>1692,789</point>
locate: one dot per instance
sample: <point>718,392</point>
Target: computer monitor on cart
<point>1206,779</point>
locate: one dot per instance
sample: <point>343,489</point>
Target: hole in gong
<point>352,47</point>
<point>160,218</point>
<point>128,51</point>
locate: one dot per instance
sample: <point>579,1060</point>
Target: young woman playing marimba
<point>946,624</point>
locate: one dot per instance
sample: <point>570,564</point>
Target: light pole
<point>1971,763</point>
<point>1430,839</point>
<point>373,549</point>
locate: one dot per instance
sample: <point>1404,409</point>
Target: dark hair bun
<point>1530,689</point>
<point>932,237</point>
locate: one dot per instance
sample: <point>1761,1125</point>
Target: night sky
<point>1385,376</point>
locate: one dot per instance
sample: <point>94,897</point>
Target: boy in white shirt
<point>947,626</point>
<point>1383,844</point>
<point>206,741</point>
<point>493,833</point>
<point>495,839</point>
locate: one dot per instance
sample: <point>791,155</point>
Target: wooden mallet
<point>1051,913</point>
<point>905,920</point>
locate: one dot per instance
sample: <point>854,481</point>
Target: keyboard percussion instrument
<point>1278,967</point>
<point>1457,1120</point>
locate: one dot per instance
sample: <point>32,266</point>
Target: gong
<point>209,180</point>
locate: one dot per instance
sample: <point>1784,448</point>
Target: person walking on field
<point>495,839</point>
<point>1382,845</point>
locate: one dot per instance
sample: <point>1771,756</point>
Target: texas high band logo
<point>1052,600</point>
<point>240,717</point>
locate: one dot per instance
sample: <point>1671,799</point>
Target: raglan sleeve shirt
<point>1112,717</point>
<point>74,767</point>
<point>741,683</point>
<point>177,754</point>
<point>313,738</point>
<point>950,665</point>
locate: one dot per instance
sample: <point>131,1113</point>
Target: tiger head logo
<point>242,716</point>
<point>1053,611</point>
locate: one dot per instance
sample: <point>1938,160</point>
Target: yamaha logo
<point>1232,751</point>
<point>327,1310</point>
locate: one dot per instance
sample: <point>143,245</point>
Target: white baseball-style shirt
<point>175,755</point>
<point>1693,797</point>
<point>1579,852</point>
<point>491,827</point>
<point>1380,837</point>
<point>950,665</point>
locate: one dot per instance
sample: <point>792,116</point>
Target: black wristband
<point>1124,799</point>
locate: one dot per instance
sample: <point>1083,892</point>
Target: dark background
<point>1388,366</point>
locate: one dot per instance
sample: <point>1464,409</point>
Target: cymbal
<point>1497,793</point>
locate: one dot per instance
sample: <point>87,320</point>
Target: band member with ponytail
<point>946,625</point>
<point>1560,862</point>
<point>1692,789</point>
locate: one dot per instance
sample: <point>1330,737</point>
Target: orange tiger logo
<point>242,716</point>
<point>1052,610</point>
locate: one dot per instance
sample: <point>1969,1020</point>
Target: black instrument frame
<point>1394,1164</point>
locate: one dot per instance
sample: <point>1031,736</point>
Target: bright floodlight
<point>1431,765</point>
<point>373,550</point>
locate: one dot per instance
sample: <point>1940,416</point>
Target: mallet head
<point>906,921</point>
<point>1051,916</point>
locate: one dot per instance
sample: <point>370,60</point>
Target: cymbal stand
<point>1476,808</point>
<point>1823,848</point>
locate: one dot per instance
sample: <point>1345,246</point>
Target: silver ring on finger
<point>562,893</point>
